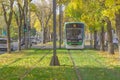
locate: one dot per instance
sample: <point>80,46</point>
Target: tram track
<point>98,61</point>
<point>33,67</point>
<point>75,67</point>
<point>104,65</point>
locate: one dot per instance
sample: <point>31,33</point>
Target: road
<point>15,44</point>
<point>1,52</point>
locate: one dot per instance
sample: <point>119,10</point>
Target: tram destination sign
<point>75,25</point>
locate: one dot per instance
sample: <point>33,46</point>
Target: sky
<point>37,1</point>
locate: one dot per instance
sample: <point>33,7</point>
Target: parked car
<point>33,40</point>
<point>3,44</point>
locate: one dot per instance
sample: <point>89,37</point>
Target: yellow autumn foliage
<point>37,26</point>
<point>108,13</point>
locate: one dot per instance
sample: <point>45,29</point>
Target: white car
<point>3,44</point>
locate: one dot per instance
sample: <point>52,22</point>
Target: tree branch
<point>4,11</point>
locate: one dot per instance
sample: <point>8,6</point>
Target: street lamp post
<point>60,22</point>
<point>54,60</point>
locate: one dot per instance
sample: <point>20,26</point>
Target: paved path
<point>1,52</point>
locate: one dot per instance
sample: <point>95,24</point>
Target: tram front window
<point>73,34</point>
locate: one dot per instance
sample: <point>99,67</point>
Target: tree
<point>19,20</point>
<point>8,19</point>
<point>109,36</point>
<point>109,15</point>
<point>102,40</point>
<point>44,13</point>
<point>25,10</point>
<point>2,26</point>
<point>117,20</point>
<point>26,22</point>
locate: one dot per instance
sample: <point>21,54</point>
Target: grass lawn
<point>34,65</point>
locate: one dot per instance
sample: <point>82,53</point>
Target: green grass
<point>93,67</point>
<point>30,65</point>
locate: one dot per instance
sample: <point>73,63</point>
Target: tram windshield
<point>74,33</point>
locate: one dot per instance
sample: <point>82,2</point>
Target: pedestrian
<point>115,42</point>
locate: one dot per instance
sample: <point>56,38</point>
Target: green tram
<point>74,35</point>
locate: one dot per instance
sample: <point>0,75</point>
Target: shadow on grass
<point>58,73</point>
<point>94,73</point>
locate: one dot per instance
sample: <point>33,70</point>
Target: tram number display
<point>74,26</point>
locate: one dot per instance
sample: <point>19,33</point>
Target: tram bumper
<point>74,46</point>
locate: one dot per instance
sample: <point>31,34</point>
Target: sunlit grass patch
<point>10,58</point>
<point>111,60</point>
<point>13,57</point>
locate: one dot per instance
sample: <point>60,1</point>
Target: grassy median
<point>33,64</point>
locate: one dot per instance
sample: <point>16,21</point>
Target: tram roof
<point>74,22</point>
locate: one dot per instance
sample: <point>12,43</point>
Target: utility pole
<point>54,60</point>
<point>42,27</point>
<point>60,22</point>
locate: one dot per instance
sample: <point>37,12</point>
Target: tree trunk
<point>19,24</point>
<point>91,43</point>
<point>19,38</point>
<point>117,19</point>
<point>8,40</point>
<point>51,36</point>
<point>48,34</point>
<point>8,21</point>
<point>109,35</point>
<point>95,39</point>
<point>102,48</point>
<point>25,23</point>
<point>44,35</point>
